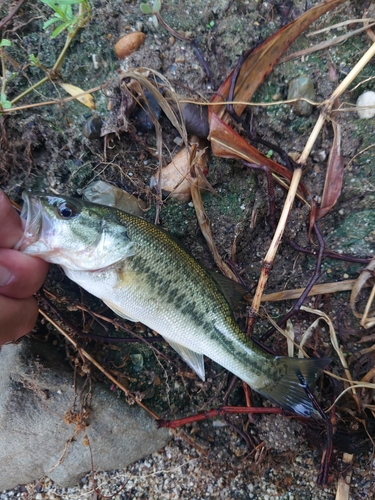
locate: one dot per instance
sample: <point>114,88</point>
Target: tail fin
<point>287,391</point>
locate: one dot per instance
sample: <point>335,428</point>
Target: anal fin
<point>192,358</point>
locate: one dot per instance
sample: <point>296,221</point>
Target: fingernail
<point>5,276</point>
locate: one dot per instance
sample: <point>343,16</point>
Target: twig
<point>308,288</point>
<point>173,424</point>
<point>271,254</point>
<point>324,45</point>
<point>86,355</point>
<point>55,101</point>
<point>12,13</point>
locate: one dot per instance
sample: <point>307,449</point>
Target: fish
<point>144,275</point>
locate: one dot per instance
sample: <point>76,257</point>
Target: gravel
<point>180,472</point>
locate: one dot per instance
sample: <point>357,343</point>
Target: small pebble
<point>92,127</point>
<point>366,105</point>
<point>302,86</point>
<point>178,140</point>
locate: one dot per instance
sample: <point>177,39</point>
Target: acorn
<point>129,44</point>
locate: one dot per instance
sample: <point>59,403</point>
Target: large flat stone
<point>36,392</point>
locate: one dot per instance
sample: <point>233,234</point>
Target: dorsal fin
<point>232,290</point>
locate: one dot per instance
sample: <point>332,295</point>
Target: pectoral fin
<point>192,358</point>
<point>118,311</point>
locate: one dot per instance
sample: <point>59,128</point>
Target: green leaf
<point>155,21</point>
<point>156,6</point>
<point>145,8</point>
<point>4,101</point>
<point>68,13</point>
<point>54,3</point>
<point>33,59</point>
<point>70,2</point>
<point>51,21</point>
<point>54,7</point>
<point>59,29</point>
<point>5,43</point>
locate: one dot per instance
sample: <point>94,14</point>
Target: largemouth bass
<point>143,275</point>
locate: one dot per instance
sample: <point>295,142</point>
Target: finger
<point>20,275</point>
<point>17,317</point>
<point>10,223</point>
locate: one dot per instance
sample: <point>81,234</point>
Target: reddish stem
<point>173,424</point>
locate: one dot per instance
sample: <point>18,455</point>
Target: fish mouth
<point>32,221</point>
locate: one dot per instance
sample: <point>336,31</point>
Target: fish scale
<point>144,275</point>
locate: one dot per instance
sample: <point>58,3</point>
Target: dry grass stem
<point>289,336</point>
<point>337,348</point>
<point>343,486</point>
<point>339,25</point>
<point>271,254</point>
<point>322,289</point>
<point>249,103</point>
<point>358,154</point>
<point>54,101</point>
<point>141,76</point>
<point>369,375</point>
<point>365,59</point>
<point>297,174</point>
<point>362,281</point>
<point>356,385</point>
<point>325,45</point>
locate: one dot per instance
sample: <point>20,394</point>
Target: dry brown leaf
<point>334,175</point>
<point>264,58</point>
<point>175,178</point>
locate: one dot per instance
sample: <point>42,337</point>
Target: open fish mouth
<point>33,221</point>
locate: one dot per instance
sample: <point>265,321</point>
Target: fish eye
<point>67,210</point>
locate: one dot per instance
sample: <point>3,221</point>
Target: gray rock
<point>36,392</point>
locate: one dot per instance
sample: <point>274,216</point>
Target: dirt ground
<point>43,149</point>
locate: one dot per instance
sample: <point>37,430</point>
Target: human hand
<point>20,277</point>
